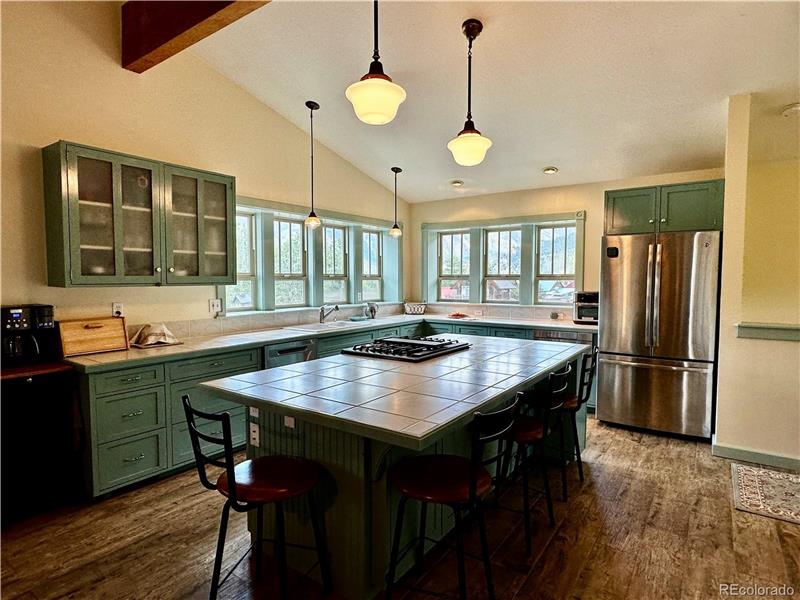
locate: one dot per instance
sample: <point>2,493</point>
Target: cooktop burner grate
<point>408,349</point>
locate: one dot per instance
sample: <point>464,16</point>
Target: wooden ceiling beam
<point>154,30</point>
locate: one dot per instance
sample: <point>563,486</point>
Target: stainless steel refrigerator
<point>658,330</point>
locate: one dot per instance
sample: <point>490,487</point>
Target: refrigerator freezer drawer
<point>664,395</point>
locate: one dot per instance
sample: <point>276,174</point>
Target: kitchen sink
<point>327,326</point>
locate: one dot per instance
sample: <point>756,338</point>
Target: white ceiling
<point>601,90</point>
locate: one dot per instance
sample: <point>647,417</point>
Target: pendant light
<point>375,97</point>
<point>395,231</point>
<point>469,146</point>
<point>312,220</point>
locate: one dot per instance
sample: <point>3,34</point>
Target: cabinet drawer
<point>212,365</point>
<point>201,398</point>
<point>127,379</point>
<point>383,333</point>
<point>510,332</point>
<point>182,445</point>
<point>471,330</point>
<point>131,459</point>
<point>127,414</point>
<point>334,344</point>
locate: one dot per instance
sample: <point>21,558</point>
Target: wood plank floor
<point>653,519</point>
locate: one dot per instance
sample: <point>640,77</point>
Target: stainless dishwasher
<point>288,353</point>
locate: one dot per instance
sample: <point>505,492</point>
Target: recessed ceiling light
<point>791,109</point>
<point>550,170</point>
<point>457,183</point>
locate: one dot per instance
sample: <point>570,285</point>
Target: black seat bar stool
<point>572,406</point>
<point>542,412</point>
<point>456,481</point>
<point>250,485</point>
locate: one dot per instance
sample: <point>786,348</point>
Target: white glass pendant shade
<point>469,148</point>
<point>312,221</point>
<point>375,99</point>
<point>395,231</point>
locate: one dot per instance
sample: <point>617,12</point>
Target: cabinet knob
<point>158,269</point>
<point>172,269</point>
<point>663,220</point>
<point>651,221</point>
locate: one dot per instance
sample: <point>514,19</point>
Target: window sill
<point>289,309</point>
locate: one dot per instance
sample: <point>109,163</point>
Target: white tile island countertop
<point>410,405</point>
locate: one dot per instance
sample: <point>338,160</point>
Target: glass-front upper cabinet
<point>114,205</point>
<point>200,212</point>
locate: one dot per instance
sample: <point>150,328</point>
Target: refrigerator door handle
<point>628,363</point>
<point>648,307</point>
<point>656,322</point>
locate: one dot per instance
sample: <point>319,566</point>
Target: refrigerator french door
<point>658,315</point>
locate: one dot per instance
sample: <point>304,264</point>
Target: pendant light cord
<point>395,199</point>
<point>311,112</point>
<point>469,81</point>
<point>375,54</point>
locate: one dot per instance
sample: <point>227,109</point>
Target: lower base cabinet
<point>182,453</point>
<point>131,459</point>
<point>471,329</point>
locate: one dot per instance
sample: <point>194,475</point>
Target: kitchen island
<point>358,416</point>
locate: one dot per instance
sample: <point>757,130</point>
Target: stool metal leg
<point>259,553</point>
<point>563,458</point>
<point>577,445</point>
<point>462,573</point>
<point>420,552</point>
<point>487,559</point>
<point>280,549</point>
<point>546,481</point>
<point>321,541</point>
<point>223,529</point>
<point>526,506</point>
<point>398,530</point>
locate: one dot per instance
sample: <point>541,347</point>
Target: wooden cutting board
<point>87,336</point>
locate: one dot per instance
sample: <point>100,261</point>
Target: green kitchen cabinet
<point>519,333</point>
<point>110,222</point>
<point>471,329</point>
<point>413,330</point>
<point>681,207</point>
<point>384,333</point>
<point>429,328</point>
<point>331,345</point>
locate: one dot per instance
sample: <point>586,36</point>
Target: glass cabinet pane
<point>215,229</point>
<point>96,216</point>
<point>137,220</point>
<point>184,226</point>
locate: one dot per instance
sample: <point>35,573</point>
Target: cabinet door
<point>691,206</point>
<point>631,211</point>
<point>200,221</point>
<point>115,221</point>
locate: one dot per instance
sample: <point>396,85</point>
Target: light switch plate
<point>477,313</point>
<point>255,438</point>
<point>288,422</point>
<point>254,412</point>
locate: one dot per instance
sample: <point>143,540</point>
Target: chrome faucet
<point>324,312</point>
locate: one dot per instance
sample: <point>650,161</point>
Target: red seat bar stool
<point>572,406</point>
<point>250,485</point>
<point>542,412</point>
<point>457,481</point>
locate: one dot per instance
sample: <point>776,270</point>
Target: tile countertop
<point>411,405</point>
<point>201,346</point>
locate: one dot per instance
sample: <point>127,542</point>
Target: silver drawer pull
<point>135,458</point>
<point>219,363</point>
<point>131,379</point>
<point>136,413</point>
<point>216,432</point>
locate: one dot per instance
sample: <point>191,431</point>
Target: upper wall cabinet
<point>114,219</point>
<point>681,207</point>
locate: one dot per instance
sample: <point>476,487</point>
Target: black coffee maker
<point>29,334</point>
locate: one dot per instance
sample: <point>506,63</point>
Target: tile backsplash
<point>502,311</point>
<point>254,321</point>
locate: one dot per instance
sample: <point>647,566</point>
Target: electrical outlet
<point>254,412</point>
<point>477,312</point>
<point>117,309</point>
<point>214,305</point>
<point>255,438</point>
<point>288,422</point>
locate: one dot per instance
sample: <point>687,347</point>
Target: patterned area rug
<point>766,492</point>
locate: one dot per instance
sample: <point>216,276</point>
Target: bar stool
<point>458,482</point>
<point>572,406</point>
<point>542,413</point>
<point>250,485</point>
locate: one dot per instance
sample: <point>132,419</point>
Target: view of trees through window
<point>503,265</point>
<point>371,266</point>
<point>290,263</point>
<point>334,264</point>
<point>454,261</point>
<point>555,268</point>
<point>242,295</point>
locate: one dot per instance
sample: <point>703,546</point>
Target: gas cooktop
<point>409,349</point>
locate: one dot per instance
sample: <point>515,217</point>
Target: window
<point>454,255</point>
<point>290,263</point>
<point>371,288</point>
<point>503,265</point>
<point>242,296</point>
<point>334,264</point>
<point>554,281</point>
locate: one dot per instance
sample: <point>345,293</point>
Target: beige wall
<point>588,197</point>
<point>758,395</point>
<point>61,79</point>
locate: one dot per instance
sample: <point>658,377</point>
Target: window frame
<point>304,260</point>
<point>345,260</point>
<point>252,276</point>
<point>500,276</point>
<point>464,233</point>
<point>538,276</point>
<point>365,276</point>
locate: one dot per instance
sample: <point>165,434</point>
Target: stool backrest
<point>557,391</point>
<point>588,370</point>
<point>486,429</point>
<point>203,458</point>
